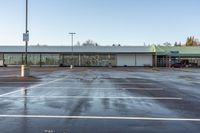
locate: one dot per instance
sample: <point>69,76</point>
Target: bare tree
<point>78,44</point>
<point>167,44</point>
<point>90,43</point>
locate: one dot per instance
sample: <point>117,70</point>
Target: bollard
<point>25,71</point>
<point>71,67</point>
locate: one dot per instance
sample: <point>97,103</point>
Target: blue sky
<point>128,22</point>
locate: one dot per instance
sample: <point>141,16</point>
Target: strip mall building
<point>157,56</point>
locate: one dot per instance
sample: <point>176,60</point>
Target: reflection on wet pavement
<point>101,93</point>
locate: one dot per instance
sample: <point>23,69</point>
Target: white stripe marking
<point>102,117</point>
<point>92,97</point>
<point>12,92</point>
<point>92,88</point>
<point>18,82</point>
<point>100,83</point>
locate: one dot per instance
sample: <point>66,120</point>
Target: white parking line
<point>92,88</point>
<point>35,86</point>
<point>95,97</point>
<point>81,88</point>
<point>78,83</point>
<point>103,118</point>
<point>28,82</point>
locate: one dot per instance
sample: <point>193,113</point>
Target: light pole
<point>72,55</point>
<point>25,68</point>
<point>27,34</point>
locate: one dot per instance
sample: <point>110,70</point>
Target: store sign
<point>25,37</point>
<point>174,52</point>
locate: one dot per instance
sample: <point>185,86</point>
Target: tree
<point>191,41</point>
<point>90,43</point>
<point>78,44</point>
<point>197,41</point>
<point>177,44</point>
<point>167,44</point>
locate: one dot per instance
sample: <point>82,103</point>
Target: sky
<point>107,22</point>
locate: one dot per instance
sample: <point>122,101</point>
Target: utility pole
<point>72,46</point>
<point>27,34</point>
<point>24,68</point>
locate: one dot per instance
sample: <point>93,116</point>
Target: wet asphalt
<point>100,100</point>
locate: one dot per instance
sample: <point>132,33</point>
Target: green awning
<point>177,50</point>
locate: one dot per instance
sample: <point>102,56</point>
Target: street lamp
<point>27,34</point>
<point>72,55</point>
<point>24,67</point>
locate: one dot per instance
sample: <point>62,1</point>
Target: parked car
<point>62,65</point>
<point>178,65</point>
<point>193,64</point>
<point>183,63</point>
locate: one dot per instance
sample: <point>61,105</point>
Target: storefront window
<point>58,59</point>
<point>98,60</point>
<point>33,59</point>
<point>68,60</point>
<point>13,59</point>
<point>89,60</point>
<point>1,56</point>
<point>50,59</point>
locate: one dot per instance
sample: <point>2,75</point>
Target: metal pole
<point>72,49</point>
<point>24,68</point>
<point>72,41</point>
<point>26,42</point>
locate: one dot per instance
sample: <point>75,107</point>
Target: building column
<point>156,61</point>
<point>170,61</point>
<point>22,58</point>
<point>163,59</point>
<point>135,59</point>
<point>40,60</point>
<point>3,59</point>
<point>79,59</point>
<point>63,59</point>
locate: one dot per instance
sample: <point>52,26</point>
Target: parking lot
<point>100,100</point>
